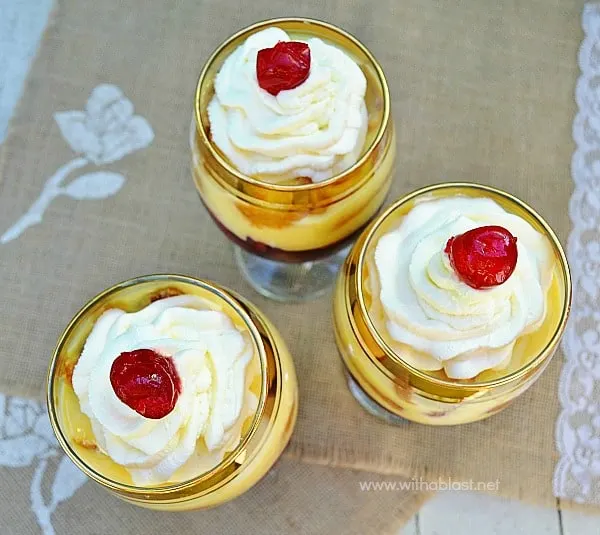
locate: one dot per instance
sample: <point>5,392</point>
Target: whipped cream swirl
<point>210,355</point>
<point>315,130</point>
<point>437,320</point>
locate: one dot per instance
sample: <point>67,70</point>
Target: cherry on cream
<point>146,382</point>
<point>284,66</point>
<point>483,257</point>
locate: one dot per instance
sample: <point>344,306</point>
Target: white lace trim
<point>577,475</point>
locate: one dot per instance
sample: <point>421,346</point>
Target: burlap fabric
<point>482,91</point>
<point>294,497</point>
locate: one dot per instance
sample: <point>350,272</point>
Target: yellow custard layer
<point>264,436</point>
<point>297,228</point>
<point>431,397</point>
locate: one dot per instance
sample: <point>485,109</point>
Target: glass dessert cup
<point>265,433</point>
<point>388,386</point>
<point>291,239</point>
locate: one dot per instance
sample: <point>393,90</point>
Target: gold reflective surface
<point>432,397</point>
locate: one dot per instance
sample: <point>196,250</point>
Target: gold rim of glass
<point>219,292</point>
<point>300,187</point>
<point>513,376</point>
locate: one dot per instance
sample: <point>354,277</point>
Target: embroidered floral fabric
<point>105,132</point>
<point>26,439</point>
<point>45,493</point>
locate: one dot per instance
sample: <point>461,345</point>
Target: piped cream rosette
<point>315,130</point>
<point>215,362</point>
<point>434,320</point>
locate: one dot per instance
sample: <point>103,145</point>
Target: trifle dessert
<point>450,305</point>
<point>293,149</point>
<point>172,392</point>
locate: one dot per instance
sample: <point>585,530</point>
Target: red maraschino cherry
<point>282,67</point>
<point>146,381</point>
<point>483,257</point>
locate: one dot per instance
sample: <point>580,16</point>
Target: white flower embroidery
<point>104,133</point>
<point>107,130</point>
<point>26,437</point>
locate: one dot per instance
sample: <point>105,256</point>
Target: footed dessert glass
<point>264,432</point>
<point>390,387</point>
<point>291,238</point>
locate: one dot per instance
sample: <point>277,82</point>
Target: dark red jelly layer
<point>281,255</point>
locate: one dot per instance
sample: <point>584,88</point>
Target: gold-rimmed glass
<point>290,240</point>
<point>264,434</point>
<point>390,387</point>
